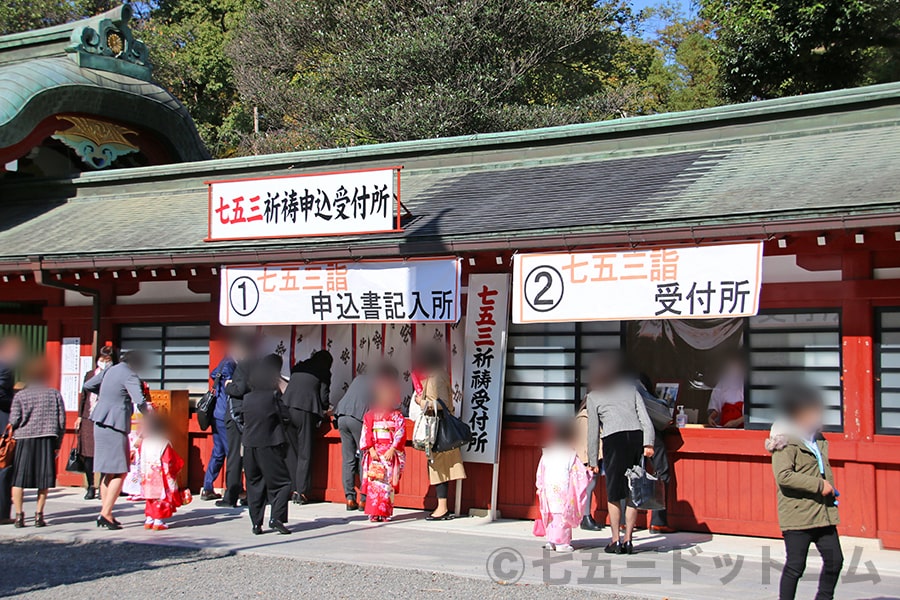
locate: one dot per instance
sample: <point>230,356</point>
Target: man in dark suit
<point>10,355</point>
<point>349,414</point>
<point>265,446</point>
<point>236,388</point>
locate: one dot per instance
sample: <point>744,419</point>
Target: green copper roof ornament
<point>106,43</point>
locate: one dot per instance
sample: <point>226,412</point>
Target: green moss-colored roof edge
<point>833,101</point>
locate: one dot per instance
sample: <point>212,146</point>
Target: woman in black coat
<point>308,399</point>
<point>265,446</point>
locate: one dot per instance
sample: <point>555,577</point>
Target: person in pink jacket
<point>562,484</point>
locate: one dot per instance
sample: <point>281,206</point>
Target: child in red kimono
<point>160,465</point>
<point>382,444</point>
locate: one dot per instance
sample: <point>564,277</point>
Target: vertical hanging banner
<point>302,205</point>
<point>700,282</point>
<point>415,290</point>
<point>487,318</point>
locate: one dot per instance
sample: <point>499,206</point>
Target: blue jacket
<point>224,371</point>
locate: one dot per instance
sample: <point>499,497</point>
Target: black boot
<point>91,493</point>
<point>589,524</point>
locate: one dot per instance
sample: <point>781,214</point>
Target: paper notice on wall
<point>71,386</point>
<point>70,372</point>
<point>71,355</point>
<point>87,365</point>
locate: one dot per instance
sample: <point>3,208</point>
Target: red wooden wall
<point>722,479</point>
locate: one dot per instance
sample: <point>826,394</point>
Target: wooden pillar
<point>857,354</point>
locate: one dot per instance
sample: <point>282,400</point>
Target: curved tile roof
<point>71,69</point>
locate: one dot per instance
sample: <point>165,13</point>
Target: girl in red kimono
<point>382,444</point>
<point>160,465</point>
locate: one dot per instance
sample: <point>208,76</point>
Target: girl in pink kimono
<point>160,465</point>
<point>562,482</point>
<point>382,443</point>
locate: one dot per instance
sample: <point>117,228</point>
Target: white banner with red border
<point>305,205</point>
<point>699,282</point>
<point>487,321</point>
<point>415,290</point>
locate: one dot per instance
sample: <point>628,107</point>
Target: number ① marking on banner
<point>544,288</point>
<point>244,296</point>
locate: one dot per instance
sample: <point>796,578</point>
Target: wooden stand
<point>174,404</point>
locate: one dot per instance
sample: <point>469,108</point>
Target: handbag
<point>377,471</point>
<point>538,530</point>
<point>645,491</point>
<point>75,464</point>
<point>658,410</point>
<point>206,405</point>
<point>7,448</point>
<point>425,431</point>
<point>452,432</point>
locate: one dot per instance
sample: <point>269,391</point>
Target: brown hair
<point>37,371</point>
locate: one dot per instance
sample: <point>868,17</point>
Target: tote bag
<point>645,491</point>
<point>425,431</point>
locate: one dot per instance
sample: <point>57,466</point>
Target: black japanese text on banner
<point>414,290</point>
<point>304,205</point>
<point>487,311</point>
<point>657,283</point>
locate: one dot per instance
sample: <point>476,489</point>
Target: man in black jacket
<point>265,446</point>
<point>10,354</point>
<point>236,388</point>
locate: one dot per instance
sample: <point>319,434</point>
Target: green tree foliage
<point>684,74</point>
<point>343,72</point>
<point>187,41</point>
<point>25,15</point>
<point>772,48</point>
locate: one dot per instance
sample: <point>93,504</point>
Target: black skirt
<point>34,465</point>
<point>621,451</point>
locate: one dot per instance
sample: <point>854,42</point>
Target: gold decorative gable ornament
<point>97,143</point>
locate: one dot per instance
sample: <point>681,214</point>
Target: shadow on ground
<point>33,564</point>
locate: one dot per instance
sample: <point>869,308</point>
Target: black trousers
<point>268,482</point>
<point>796,544</point>
<point>6,478</point>
<point>659,518</point>
<point>88,470</point>
<point>234,466</point>
<point>303,425</point>
<point>351,431</point>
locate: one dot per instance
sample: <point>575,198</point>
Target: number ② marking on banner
<point>544,288</point>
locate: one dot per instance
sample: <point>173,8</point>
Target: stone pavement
<point>690,566</point>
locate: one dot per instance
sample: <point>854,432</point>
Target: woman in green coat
<point>807,498</point>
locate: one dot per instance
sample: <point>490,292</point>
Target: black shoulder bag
<point>206,405</point>
<point>452,432</point>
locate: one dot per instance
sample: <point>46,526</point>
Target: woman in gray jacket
<point>615,404</point>
<point>38,419</point>
<point>119,389</point>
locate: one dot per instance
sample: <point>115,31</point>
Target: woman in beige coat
<point>444,467</point>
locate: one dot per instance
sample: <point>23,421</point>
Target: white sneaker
<point>549,546</point>
<point>564,548</point>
